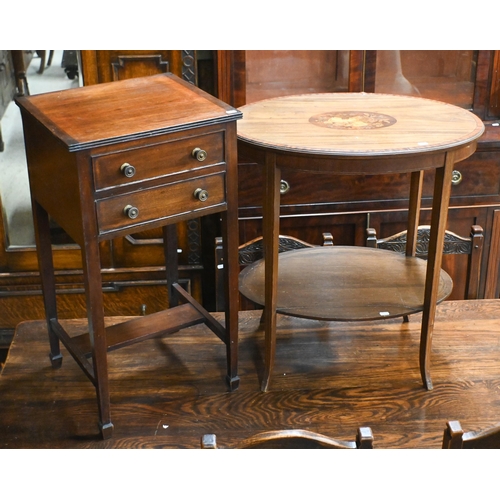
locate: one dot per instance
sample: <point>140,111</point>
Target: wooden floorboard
<point>328,377</point>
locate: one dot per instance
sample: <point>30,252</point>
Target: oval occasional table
<point>354,134</point>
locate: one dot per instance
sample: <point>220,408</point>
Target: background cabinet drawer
<point>477,178</point>
<point>162,202</point>
<point>158,160</point>
<point>301,188</point>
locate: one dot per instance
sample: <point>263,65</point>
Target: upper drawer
<point>157,160</point>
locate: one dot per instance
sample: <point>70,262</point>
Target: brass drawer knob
<point>456,178</point>
<point>127,170</point>
<point>284,187</point>
<point>199,154</point>
<point>201,194</point>
<point>131,212</point>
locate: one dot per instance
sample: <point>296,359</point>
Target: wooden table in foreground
<point>117,158</point>
<point>330,377</point>
<point>358,134</point>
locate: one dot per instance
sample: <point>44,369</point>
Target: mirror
<point>443,75</point>
<point>62,73</point>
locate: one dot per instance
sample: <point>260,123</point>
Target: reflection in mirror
<point>14,186</point>
<point>274,73</point>
<point>389,77</point>
<point>443,75</point>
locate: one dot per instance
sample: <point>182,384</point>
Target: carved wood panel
<point>100,66</point>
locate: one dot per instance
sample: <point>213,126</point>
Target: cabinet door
<point>346,229</point>
<point>492,244</point>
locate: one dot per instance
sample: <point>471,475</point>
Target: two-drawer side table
<point>110,159</point>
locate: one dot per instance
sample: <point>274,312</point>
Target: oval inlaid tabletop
<point>344,283</point>
<point>357,124</point>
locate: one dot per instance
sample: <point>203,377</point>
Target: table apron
<point>356,165</point>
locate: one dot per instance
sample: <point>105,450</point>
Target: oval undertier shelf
<point>343,283</point>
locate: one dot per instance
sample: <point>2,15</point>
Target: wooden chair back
<point>453,244</point>
<point>251,252</point>
<point>455,438</point>
<point>296,439</point>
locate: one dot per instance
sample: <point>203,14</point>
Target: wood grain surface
<point>357,124</point>
<point>97,114</point>
<point>329,378</point>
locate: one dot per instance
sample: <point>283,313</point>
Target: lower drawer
<point>151,205</point>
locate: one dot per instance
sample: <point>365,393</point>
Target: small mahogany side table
<point>358,134</point>
<point>114,158</point>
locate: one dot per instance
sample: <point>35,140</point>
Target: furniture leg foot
<point>233,383</point>
<point>42,54</point>
<point>426,375</point>
<point>427,382</point>
<point>425,371</point>
<point>23,88</point>
<point>265,382</point>
<point>106,430</point>
<point>56,360</point>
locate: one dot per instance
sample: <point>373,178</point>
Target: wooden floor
<point>329,378</point>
